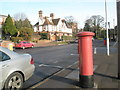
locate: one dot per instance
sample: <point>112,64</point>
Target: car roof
<point>10,53</point>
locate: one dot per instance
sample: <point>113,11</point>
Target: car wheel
<point>23,47</point>
<point>32,46</point>
<point>14,81</point>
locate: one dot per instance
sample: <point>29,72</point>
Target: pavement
<point>105,72</point>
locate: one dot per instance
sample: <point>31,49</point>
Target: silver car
<point>14,69</point>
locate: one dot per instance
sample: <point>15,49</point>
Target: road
<point>102,49</point>
<point>50,60</point>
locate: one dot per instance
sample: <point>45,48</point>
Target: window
<point>25,42</point>
<point>3,56</point>
<point>18,42</point>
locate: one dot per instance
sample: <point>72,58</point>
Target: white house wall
<point>54,28</point>
<point>63,28</point>
<point>40,29</point>
<point>40,21</point>
<point>35,29</point>
<point>50,28</point>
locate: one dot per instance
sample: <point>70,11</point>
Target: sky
<point>81,10</point>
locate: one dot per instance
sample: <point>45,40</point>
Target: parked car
<point>15,69</point>
<point>23,44</point>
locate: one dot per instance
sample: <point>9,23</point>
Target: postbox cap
<point>80,34</point>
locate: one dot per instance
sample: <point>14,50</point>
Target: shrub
<point>26,33</point>
<point>67,38</point>
<point>16,39</point>
<point>35,41</point>
<point>44,36</point>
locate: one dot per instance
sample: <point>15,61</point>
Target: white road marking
<point>45,65</point>
<point>74,54</point>
<point>95,50</point>
<point>95,67</point>
<point>41,65</point>
<point>56,62</point>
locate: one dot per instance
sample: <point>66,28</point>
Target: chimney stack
<point>40,13</point>
<point>52,15</point>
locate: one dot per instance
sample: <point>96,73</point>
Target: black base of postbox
<point>86,81</point>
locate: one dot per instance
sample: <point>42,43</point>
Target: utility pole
<point>108,51</point>
<point>118,29</point>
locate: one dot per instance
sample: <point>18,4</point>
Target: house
<point>55,27</point>
<point>2,20</point>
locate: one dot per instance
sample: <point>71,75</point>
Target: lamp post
<point>108,52</point>
<point>118,29</point>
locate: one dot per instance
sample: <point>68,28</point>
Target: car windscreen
<point>18,42</point>
<point>25,42</point>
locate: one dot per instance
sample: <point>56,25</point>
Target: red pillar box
<point>85,59</point>
<point>105,41</point>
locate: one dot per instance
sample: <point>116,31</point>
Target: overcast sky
<point>79,9</point>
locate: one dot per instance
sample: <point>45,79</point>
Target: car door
<point>4,66</point>
<point>28,44</point>
<point>0,70</point>
<point>24,44</point>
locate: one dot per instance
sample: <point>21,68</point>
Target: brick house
<point>55,27</point>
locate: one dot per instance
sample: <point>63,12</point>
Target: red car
<point>23,44</point>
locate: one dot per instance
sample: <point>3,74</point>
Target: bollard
<point>105,41</point>
<point>86,60</point>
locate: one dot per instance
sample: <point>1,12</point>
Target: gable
<point>47,22</point>
<point>36,24</point>
<point>55,21</point>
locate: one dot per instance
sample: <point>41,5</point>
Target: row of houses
<point>54,27</point>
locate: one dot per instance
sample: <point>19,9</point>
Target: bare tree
<point>72,23</point>
<point>96,22</point>
<point>19,16</point>
<point>70,19</point>
<point>89,22</point>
